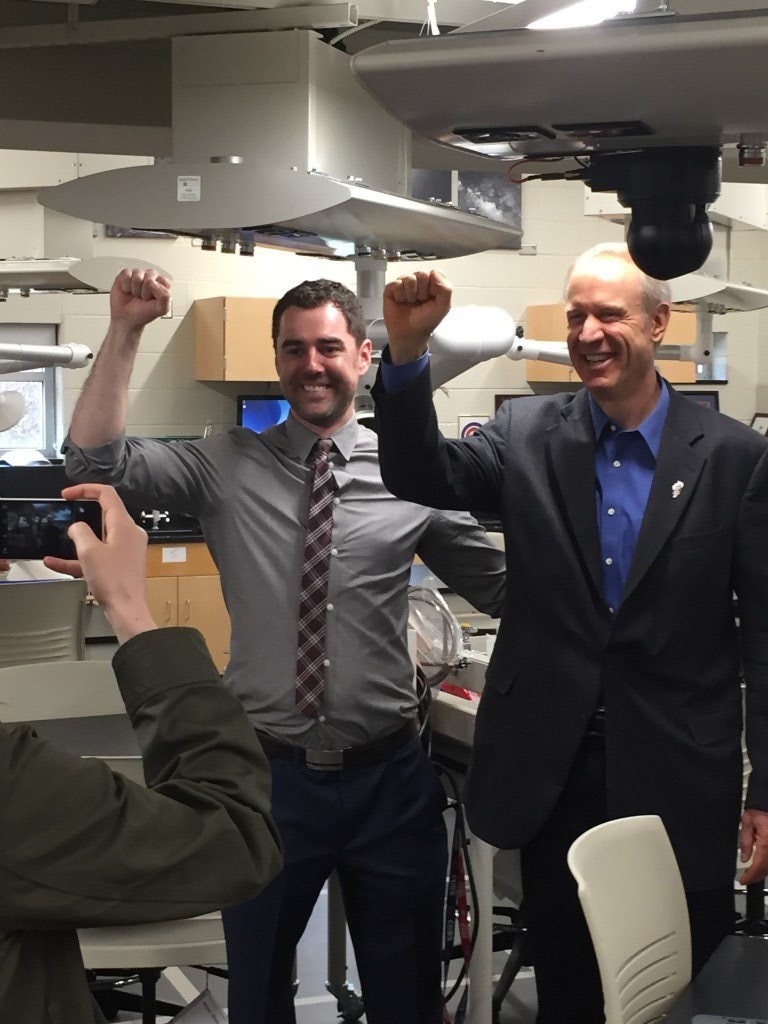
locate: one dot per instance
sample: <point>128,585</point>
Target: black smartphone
<point>35,527</point>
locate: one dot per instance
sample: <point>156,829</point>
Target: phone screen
<point>35,527</point>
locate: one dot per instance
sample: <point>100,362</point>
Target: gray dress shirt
<point>251,494</point>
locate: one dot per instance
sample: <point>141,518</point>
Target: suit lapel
<point>571,448</point>
<point>677,470</point>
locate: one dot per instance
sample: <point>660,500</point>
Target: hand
<point>414,305</point>
<point>116,568</point>
<point>138,297</point>
<point>753,842</point>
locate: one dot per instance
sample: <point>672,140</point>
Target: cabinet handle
<point>186,610</point>
<point>167,611</point>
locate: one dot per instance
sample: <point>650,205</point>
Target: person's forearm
<point>407,349</point>
<point>459,552</point>
<point>101,410</point>
<point>128,620</point>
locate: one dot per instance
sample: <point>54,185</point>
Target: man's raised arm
<point>137,298</point>
<point>414,305</point>
<point>410,443</point>
<point>417,463</point>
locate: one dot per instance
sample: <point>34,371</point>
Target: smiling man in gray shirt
<point>372,807</point>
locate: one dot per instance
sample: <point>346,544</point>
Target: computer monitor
<point>257,412</point>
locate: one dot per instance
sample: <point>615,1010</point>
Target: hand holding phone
<point>115,567</point>
<point>36,527</point>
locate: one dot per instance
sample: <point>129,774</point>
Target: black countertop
<point>175,536</point>
<point>733,985</point>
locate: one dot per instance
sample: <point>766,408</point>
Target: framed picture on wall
<point>709,398</point>
<point>469,425</point>
<point>431,185</point>
<point>760,423</point>
<point>491,195</point>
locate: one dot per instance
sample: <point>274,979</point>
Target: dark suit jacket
<point>667,661</point>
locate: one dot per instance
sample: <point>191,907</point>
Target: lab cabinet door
<point>162,597</point>
<point>201,605</point>
<point>233,339</point>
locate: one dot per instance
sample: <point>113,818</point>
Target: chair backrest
<point>633,899</point>
<point>193,940</point>
<point>58,689</point>
<point>66,689</point>
<point>42,620</point>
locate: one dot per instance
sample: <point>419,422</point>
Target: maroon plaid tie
<point>310,656</point>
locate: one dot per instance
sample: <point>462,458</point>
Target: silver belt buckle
<point>325,760</point>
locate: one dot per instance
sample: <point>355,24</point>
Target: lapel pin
<point>677,486</point>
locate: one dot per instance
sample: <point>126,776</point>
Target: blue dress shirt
<point>395,377</point>
<point>625,461</point>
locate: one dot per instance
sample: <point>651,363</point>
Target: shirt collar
<point>650,429</point>
<point>302,440</point>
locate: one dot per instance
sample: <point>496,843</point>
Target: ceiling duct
<point>521,92</point>
<point>716,296</point>
<point>274,142</point>
<point>654,138</point>
<point>242,206</point>
<point>66,274</point>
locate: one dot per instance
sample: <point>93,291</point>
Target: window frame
<point>46,375</point>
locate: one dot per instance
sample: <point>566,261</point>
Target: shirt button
<point>613,428</point>
<point>611,511</point>
<point>611,610</point>
<point>609,561</point>
<point>326,662</point>
<point>321,718</point>
<point>329,607</point>
<point>337,501</point>
<point>334,551</point>
<point>616,463</point>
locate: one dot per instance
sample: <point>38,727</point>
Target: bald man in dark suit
<point>631,514</point>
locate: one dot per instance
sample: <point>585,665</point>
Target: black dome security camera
<point>667,239</point>
<point>668,191</point>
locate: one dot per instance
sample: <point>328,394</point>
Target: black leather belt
<point>596,724</point>
<point>334,760</point>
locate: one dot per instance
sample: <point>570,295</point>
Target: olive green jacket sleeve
<point>82,846</point>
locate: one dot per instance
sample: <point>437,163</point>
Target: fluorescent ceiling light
<point>586,12</point>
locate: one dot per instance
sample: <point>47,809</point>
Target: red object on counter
<point>459,691</point>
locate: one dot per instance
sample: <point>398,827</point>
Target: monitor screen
<point>257,412</point>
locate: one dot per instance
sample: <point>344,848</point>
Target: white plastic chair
<point>42,621</point>
<point>58,689</point>
<point>148,949</point>
<point>632,896</point>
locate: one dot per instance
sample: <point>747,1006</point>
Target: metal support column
<point>481,966</point>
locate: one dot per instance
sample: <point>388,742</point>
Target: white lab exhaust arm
<point>17,358</point>
<point>467,336</point>
<point>545,351</point>
<point>472,334</point>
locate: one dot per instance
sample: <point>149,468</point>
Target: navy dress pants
<point>567,978</point>
<point>381,827</point>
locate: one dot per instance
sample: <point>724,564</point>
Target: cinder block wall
<point>165,399</point>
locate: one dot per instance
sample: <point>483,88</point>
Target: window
<point>37,428</point>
